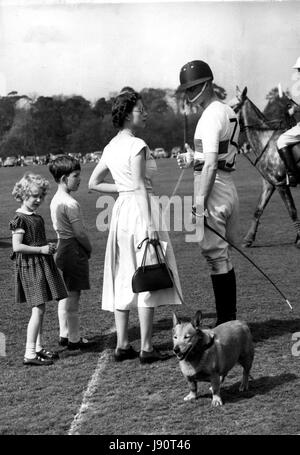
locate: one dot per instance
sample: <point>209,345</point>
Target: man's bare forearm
<point>208,176</point>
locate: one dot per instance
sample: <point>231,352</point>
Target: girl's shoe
<point>44,354</point>
<point>124,354</point>
<point>37,361</point>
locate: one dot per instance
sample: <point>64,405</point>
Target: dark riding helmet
<point>194,73</point>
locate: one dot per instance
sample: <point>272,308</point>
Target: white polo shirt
<point>217,132</point>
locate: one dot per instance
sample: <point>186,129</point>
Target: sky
<point>95,48</point>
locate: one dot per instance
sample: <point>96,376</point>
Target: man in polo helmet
<point>287,140</point>
<point>213,159</point>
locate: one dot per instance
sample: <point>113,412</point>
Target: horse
<point>259,136</point>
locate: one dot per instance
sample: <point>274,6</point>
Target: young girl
<point>37,280</point>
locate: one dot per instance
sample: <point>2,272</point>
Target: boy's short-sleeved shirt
<point>65,210</point>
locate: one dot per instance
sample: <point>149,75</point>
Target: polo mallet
<point>185,125</point>
<point>184,141</point>
<point>246,257</point>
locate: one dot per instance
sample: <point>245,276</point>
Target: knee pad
<point>219,266</point>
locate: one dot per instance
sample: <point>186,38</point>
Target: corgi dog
<point>209,354</point>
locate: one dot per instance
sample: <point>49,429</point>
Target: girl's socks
<point>38,347</point>
<point>30,352</point>
<point>39,343</point>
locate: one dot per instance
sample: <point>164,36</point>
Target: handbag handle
<point>154,243</point>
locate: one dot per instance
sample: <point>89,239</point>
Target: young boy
<point>73,251</point>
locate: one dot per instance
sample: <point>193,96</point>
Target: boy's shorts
<point>72,259</point>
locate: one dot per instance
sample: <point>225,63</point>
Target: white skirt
<point>122,257</point>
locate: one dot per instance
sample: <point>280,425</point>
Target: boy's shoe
<point>63,341</point>
<point>83,343</point>
<point>152,356</point>
<point>124,354</point>
<point>44,354</point>
<point>37,361</point>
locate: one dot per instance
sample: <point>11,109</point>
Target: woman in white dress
<point>135,216</point>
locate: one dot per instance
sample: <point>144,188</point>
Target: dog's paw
<point>243,387</point>
<point>244,383</point>
<point>190,396</point>
<point>216,401</point>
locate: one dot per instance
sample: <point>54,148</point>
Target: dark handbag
<point>152,277</point>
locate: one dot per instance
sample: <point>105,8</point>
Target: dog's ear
<point>176,320</point>
<point>197,320</point>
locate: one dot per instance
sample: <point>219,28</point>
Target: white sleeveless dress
<point>128,229</point>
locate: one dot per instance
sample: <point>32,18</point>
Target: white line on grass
<point>91,389</point>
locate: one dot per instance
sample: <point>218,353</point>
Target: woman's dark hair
<point>123,105</point>
<point>63,165</point>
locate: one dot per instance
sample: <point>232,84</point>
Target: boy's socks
<point>63,319</point>
<point>30,352</point>
<point>73,327</point>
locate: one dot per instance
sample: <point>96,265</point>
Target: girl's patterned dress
<point>37,279</point>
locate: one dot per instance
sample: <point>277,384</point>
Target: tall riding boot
<point>224,286</point>
<point>287,157</point>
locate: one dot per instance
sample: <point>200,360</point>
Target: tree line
<point>61,124</point>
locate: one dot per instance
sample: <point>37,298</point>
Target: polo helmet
<point>194,73</point>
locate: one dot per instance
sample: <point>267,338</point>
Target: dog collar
<point>204,348</point>
<point>208,345</point>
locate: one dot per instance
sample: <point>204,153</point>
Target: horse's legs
<point>266,193</point>
<point>288,200</point>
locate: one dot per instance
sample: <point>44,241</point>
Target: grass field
<point>114,399</point>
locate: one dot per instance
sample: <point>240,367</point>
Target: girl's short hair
<point>63,165</point>
<point>123,105</point>
<point>23,188</point>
